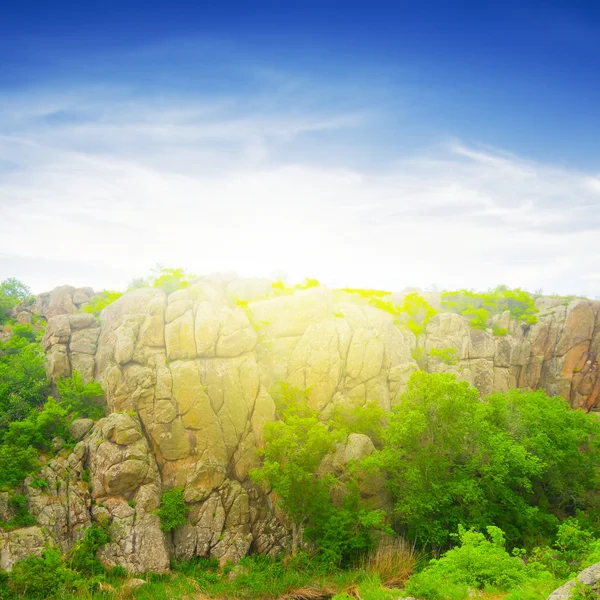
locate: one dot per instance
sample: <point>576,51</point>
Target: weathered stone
<point>57,362</point>
<point>588,577</point>
<point>18,544</point>
<point>84,341</point>
<point>79,427</point>
<point>85,364</point>
<point>180,338</point>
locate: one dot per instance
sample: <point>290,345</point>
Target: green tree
<point>293,468</point>
<point>294,449</point>
<point>12,293</point>
<point>23,381</point>
<point>81,399</point>
<point>518,460</point>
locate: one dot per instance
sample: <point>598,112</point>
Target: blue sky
<point>381,144</point>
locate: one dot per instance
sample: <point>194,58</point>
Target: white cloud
<point>98,190</point>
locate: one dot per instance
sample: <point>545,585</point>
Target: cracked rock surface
<point>188,377</point>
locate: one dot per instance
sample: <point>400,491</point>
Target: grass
<point>394,561</point>
<point>260,577</point>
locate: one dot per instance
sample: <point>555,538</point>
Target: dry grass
<point>394,561</point>
<point>321,592</point>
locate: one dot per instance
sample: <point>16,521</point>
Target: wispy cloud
<point>100,186</point>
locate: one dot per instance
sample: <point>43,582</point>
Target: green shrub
<point>21,517</point>
<point>419,312</point>
<point>479,562</point>
<point>81,399</point>
<point>574,548</point>
<point>447,355</point>
<point>518,460</point>
<point>41,577</point>
<point>22,440</point>
<point>101,300</point>
<point>368,420</point>
<point>12,293</point>
<point>83,558</point>
<point>38,483</point>
<point>294,449</point>
<point>170,280</point>
<point>23,381</point>
<point>479,307</point>
<point>173,510</point>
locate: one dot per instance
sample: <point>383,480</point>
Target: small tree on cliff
<point>294,449</point>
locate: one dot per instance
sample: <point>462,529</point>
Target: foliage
<point>415,312</point>
<point>12,293</point>
<point>343,531</point>
<point>368,420</point>
<point>294,449</point>
<point>516,460</point>
<point>446,355</point>
<point>479,307</point>
<point>574,548</point>
<point>479,562</point>
<point>41,577</point>
<point>81,399</point>
<point>28,423</point>
<point>170,280</point>
<point>21,517</point>
<point>23,381</point>
<point>173,510</point>
<point>419,312</point>
<point>565,442</point>
<point>83,557</point>
<point>101,300</point>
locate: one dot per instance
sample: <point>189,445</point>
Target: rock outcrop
<point>589,579</point>
<point>188,379</point>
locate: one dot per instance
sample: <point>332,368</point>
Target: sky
<point>432,143</point>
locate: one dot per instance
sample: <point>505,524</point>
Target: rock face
<point>589,578</point>
<point>188,378</point>
<point>558,354</point>
<point>112,475</point>
<point>19,544</point>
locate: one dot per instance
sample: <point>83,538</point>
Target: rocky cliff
<point>188,376</point>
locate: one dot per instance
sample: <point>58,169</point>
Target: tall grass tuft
<point>394,560</point>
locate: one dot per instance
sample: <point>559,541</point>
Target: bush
<point>419,312</point>
<point>518,460</point>
<point>12,293</point>
<point>83,556</point>
<point>23,381</point>
<point>170,280</point>
<point>41,577</point>
<point>81,399</point>
<point>479,307</point>
<point>446,355</point>
<point>101,300</point>
<point>21,517</point>
<point>173,510</point>
<point>479,562</point>
<point>293,454</point>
